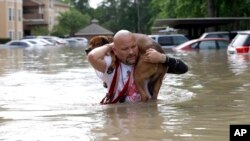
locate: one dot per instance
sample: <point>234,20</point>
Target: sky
<point>94,3</point>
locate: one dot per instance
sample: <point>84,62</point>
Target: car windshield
<point>187,43</point>
<point>223,44</point>
<point>179,40</point>
<point>241,40</point>
<point>207,45</point>
<point>225,36</point>
<point>165,40</point>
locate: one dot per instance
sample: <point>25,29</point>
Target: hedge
<point>4,40</point>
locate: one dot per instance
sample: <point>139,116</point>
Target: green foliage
<point>4,40</point>
<point>60,31</point>
<point>123,14</point>
<point>190,8</point>
<point>83,6</point>
<point>164,8</point>
<point>139,15</point>
<point>40,31</point>
<point>73,21</point>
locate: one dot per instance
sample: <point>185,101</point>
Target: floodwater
<point>53,94</point>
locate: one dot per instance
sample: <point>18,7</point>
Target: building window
<point>40,10</point>
<point>10,35</point>
<point>19,15</point>
<point>10,14</point>
<point>14,14</point>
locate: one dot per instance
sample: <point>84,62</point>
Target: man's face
<point>126,50</point>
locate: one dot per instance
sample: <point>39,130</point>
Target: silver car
<point>169,41</point>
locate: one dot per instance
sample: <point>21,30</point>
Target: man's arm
<point>176,66</point>
<point>96,57</point>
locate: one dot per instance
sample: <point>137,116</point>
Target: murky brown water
<point>53,94</point>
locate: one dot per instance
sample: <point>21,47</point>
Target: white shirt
<point>123,74</point>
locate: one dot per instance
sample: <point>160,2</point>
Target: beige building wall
<point>11,23</point>
<point>59,8</point>
<point>51,12</point>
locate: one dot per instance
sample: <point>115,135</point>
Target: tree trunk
<point>211,8</point>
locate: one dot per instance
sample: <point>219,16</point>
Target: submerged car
<point>170,40</point>
<point>206,43</point>
<point>219,34</point>
<point>19,44</point>
<point>240,44</point>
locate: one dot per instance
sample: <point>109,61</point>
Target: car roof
<point>197,40</point>
<point>213,33</point>
<point>165,35</point>
<point>216,32</point>
<point>19,41</point>
<point>244,32</point>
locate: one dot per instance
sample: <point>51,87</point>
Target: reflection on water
<point>239,63</point>
<point>53,94</point>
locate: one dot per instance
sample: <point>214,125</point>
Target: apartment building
<point>20,17</point>
<point>41,13</point>
<point>11,22</point>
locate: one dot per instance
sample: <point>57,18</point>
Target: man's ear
<point>114,50</point>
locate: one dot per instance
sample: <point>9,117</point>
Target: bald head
<point>125,47</point>
<point>122,35</point>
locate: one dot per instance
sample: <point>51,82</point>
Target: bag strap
<point>110,95</point>
<point>122,93</point>
<point>108,99</point>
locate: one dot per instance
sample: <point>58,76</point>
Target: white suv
<point>169,41</point>
<point>240,44</point>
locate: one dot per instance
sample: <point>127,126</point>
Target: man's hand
<point>154,56</point>
<point>96,57</point>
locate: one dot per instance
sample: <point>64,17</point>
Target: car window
<point>212,36</point>
<point>179,40</point>
<point>14,44</point>
<point>33,42</point>
<point>165,40</point>
<point>225,36</point>
<point>153,38</point>
<point>194,46</point>
<point>222,44</point>
<point>241,40</point>
<point>207,45</point>
<point>23,44</point>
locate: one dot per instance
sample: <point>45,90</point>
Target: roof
<point>94,29</point>
<point>194,27</point>
<point>197,22</point>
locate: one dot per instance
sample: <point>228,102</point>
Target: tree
<point>60,31</point>
<point>73,20</point>
<point>123,14</point>
<point>83,6</point>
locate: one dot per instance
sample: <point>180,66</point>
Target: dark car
<point>240,44</point>
<point>206,43</point>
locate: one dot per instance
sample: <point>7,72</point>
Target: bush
<point>4,40</point>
